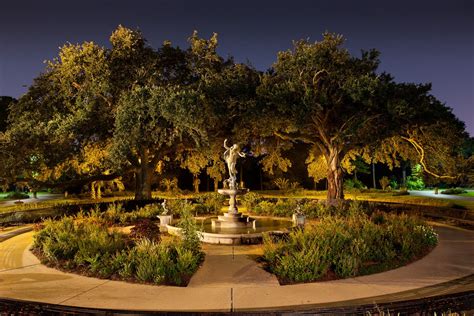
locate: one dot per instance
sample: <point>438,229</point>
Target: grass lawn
<point>309,194</point>
<point>468,194</point>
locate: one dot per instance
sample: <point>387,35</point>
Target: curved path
<point>431,194</point>
<point>23,277</point>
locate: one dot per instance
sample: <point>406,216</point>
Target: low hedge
<point>454,191</point>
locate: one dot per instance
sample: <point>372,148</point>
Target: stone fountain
<point>233,218</point>
<point>233,228</point>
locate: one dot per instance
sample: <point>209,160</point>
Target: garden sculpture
<point>230,156</point>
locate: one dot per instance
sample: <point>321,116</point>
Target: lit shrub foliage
<point>116,214</point>
<point>286,207</point>
<point>454,191</point>
<point>346,246</point>
<point>86,244</point>
<point>209,203</point>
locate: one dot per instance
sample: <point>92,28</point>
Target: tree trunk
<point>373,176</point>
<point>216,185</point>
<point>242,185</point>
<point>143,178</point>
<point>335,184</point>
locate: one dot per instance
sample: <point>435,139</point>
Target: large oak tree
<point>320,94</point>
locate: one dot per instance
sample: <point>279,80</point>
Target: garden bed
<point>341,246</point>
<point>87,245</point>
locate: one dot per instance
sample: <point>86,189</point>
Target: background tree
<point>151,123</point>
<point>5,103</point>
<point>86,97</point>
<point>320,94</point>
<point>324,96</point>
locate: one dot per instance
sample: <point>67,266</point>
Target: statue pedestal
<point>165,220</point>
<point>233,218</point>
<point>298,219</point>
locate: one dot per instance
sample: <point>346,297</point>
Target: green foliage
<point>282,183</point>
<point>210,203</point>
<point>317,166</point>
<point>347,245</point>
<point>176,206</point>
<point>454,191</point>
<point>85,244</point>
<point>250,200</point>
<point>394,183</point>
<point>116,214</point>
<point>170,185</point>
<point>350,184</point>
<point>311,208</point>
<point>80,241</point>
<point>189,231</point>
<point>16,196</point>
<point>99,112</point>
<point>415,180</point>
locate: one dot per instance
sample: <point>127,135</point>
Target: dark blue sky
<point>420,41</point>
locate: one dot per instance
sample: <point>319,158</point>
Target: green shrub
<point>114,213</point>
<point>177,206</point>
<point>284,207</point>
<point>151,260</point>
<point>282,183</point>
<point>210,203</point>
<point>189,231</point>
<point>394,183</point>
<point>311,208</point>
<point>150,211</point>
<point>80,241</point>
<point>350,184</point>
<point>85,243</point>
<point>264,208</point>
<point>401,193</point>
<point>250,200</point>
<point>347,246</point>
<point>415,180</point>
<point>17,195</point>
<point>454,191</point>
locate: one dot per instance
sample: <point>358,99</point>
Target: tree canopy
<point>320,94</point>
<point>99,113</point>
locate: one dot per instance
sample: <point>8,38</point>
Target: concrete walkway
<point>231,287</point>
<point>232,267</point>
<point>41,198</point>
<point>431,194</point>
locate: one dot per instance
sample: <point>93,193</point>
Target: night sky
<point>420,41</point>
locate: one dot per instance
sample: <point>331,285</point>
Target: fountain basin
<point>231,192</point>
<point>244,235</point>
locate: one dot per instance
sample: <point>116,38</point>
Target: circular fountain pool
<point>237,235</point>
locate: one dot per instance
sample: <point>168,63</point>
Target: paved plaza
<point>230,280</point>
